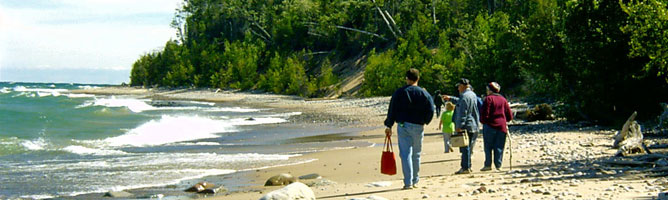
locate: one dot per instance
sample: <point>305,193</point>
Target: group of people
<point>412,107</point>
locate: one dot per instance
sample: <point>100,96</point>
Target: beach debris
<point>320,183</point>
<point>630,139</point>
<point>118,194</point>
<point>379,184</point>
<point>540,112</point>
<point>201,186</point>
<point>294,191</point>
<point>281,179</point>
<point>311,176</point>
<point>372,197</point>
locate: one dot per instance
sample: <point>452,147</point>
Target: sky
<point>80,41</point>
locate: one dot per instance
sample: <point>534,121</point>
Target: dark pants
<point>468,151</point>
<point>495,141</point>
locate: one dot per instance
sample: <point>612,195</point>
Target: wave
<point>34,145</point>
<point>81,150</point>
<point>171,129</point>
<point>139,105</point>
<point>200,174</point>
<point>134,105</point>
<point>5,90</point>
<point>38,196</point>
<point>44,90</point>
<point>86,87</point>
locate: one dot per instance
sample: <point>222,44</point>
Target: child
<point>447,125</point>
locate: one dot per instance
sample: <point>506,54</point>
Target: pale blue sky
<point>72,40</point>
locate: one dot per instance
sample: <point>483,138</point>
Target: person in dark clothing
<point>411,107</point>
<point>495,113</point>
<point>438,102</point>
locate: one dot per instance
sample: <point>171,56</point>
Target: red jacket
<point>496,112</point>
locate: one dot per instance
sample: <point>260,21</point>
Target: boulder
<point>118,194</point>
<point>201,186</point>
<point>281,179</point>
<point>294,191</point>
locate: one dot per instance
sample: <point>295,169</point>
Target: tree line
<point>599,59</point>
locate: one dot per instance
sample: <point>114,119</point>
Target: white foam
<point>52,86</point>
<point>134,105</point>
<point>86,87</point>
<point>34,145</point>
<point>197,143</point>
<point>38,196</point>
<point>171,129</point>
<point>45,90</point>
<point>5,90</point>
<point>80,95</point>
<point>89,151</point>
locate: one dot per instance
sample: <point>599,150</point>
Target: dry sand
<point>551,160</point>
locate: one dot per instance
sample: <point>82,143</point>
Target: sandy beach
<point>551,159</point>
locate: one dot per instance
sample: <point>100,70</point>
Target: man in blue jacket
<point>466,117</point>
<point>411,107</point>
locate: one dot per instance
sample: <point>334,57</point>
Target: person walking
<point>438,102</point>
<point>495,114</point>
<point>466,118</point>
<point>447,125</point>
<point>411,107</point>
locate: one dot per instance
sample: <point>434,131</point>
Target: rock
<point>294,191</point>
<point>118,194</point>
<point>220,189</point>
<point>201,186</point>
<point>311,176</point>
<point>281,179</point>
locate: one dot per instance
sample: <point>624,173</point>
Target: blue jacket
<point>410,104</point>
<point>467,115</point>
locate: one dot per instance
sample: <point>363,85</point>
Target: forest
<point>597,60</point>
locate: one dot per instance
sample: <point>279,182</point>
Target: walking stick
<point>510,146</point>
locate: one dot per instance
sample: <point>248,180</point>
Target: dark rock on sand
<point>201,186</point>
<point>311,176</point>
<point>281,179</point>
<point>118,194</point>
<point>220,189</point>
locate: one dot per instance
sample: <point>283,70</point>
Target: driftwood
<point>385,19</point>
<point>630,139</point>
<point>393,23</point>
<point>350,29</point>
<point>622,135</point>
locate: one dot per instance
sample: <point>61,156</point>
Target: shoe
<point>407,187</point>
<point>463,171</point>
<point>487,168</point>
<point>499,168</point>
<point>415,185</point>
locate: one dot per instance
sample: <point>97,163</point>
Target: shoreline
<point>552,159</point>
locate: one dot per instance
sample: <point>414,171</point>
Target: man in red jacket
<point>494,114</point>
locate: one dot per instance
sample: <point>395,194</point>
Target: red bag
<point>388,164</point>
